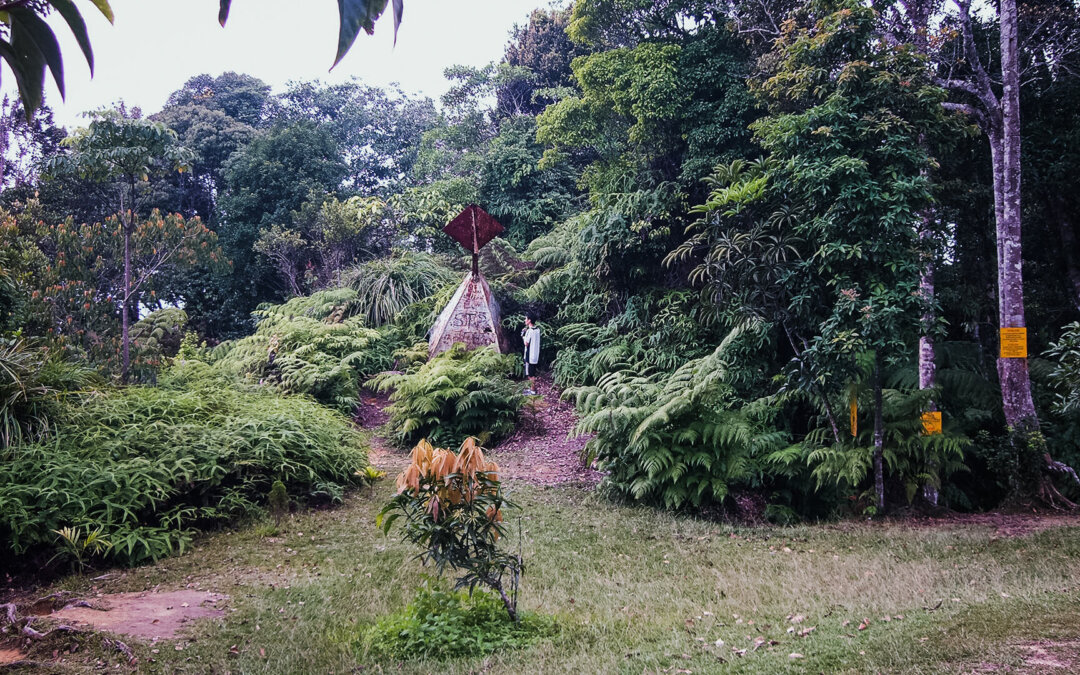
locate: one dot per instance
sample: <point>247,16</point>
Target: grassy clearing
<point>636,590</point>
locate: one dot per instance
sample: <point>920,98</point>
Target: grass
<point>634,590</point>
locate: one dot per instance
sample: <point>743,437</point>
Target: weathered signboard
<point>472,315</point>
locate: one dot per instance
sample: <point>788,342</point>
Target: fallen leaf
<point>262,652</point>
<point>795,655</point>
<point>865,624</point>
<point>806,631</point>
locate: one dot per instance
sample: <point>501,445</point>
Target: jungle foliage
<point>456,394</point>
<point>738,224</point>
<point>145,467</point>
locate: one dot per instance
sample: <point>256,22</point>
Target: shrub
<point>312,345</point>
<point>443,625</point>
<point>1065,376</point>
<point>144,466</point>
<point>676,439</point>
<point>453,509</point>
<point>385,287</point>
<point>153,338</point>
<point>34,382</point>
<point>456,394</point>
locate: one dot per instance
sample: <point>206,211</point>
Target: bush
<point>312,345</point>
<point>457,394</point>
<point>34,382</point>
<point>145,466</point>
<point>387,286</point>
<point>453,508</point>
<point>676,439</point>
<point>1065,376</point>
<point>154,338</point>
<point>443,625</point>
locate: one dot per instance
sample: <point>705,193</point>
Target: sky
<point>156,45</point>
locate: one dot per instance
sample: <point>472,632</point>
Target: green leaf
<point>356,14</point>
<point>29,70</point>
<point>223,12</point>
<point>104,8</point>
<point>399,8</point>
<point>28,26</point>
<point>75,22</point>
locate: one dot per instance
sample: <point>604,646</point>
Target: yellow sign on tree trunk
<point>931,423</point>
<point>1014,343</point>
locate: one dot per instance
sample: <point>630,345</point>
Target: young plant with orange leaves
<point>453,507</point>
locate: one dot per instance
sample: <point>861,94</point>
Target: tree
<point>377,130</point>
<point>121,149</point>
<point>213,137</point>
<point>820,237</point>
<point>528,201</point>
<point>543,48</point>
<point>25,142</point>
<point>323,237</point>
<point>998,115</point>
<point>242,97</point>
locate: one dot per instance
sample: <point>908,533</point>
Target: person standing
<point>531,336</point>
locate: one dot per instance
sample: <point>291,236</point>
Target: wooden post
<point>475,249</point>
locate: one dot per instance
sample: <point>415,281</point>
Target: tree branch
<point>984,86</point>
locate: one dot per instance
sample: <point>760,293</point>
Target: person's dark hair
<point>529,316</point>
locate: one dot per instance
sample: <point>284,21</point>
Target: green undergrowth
<point>457,394</point>
<point>318,345</point>
<point>440,624</point>
<point>135,472</point>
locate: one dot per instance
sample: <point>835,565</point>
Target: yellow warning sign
<point>854,417</point>
<point>931,423</point>
<point>1014,343</point>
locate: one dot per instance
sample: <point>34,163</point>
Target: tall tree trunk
<point>1016,398</point>
<point>879,441</point>
<point>125,309</point>
<point>927,353</point>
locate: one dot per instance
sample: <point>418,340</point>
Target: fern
<point>315,345</point>
<point>675,439</point>
<point>458,393</point>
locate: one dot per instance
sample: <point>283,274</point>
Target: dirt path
<point>541,451</point>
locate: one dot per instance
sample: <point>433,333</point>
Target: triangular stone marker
<point>472,315</point>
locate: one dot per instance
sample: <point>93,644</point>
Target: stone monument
<point>472,315</point>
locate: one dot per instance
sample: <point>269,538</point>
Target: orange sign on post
<point>931,423</point>
<point>854,417</point>
<point>1014,343</point>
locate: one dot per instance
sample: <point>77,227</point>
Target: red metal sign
<point>473,228</point>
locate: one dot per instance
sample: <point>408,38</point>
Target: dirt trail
<point>540,452</point>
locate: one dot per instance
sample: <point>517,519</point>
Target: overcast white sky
<point>156,45</point>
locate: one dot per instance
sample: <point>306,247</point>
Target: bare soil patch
<point>10,656</point>
<point>371,410</point>
<point>1040,657</point>
<point>1005,524</point>
<point>1049,656</point>
<point>147,615</point>
<point>544,450</point>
